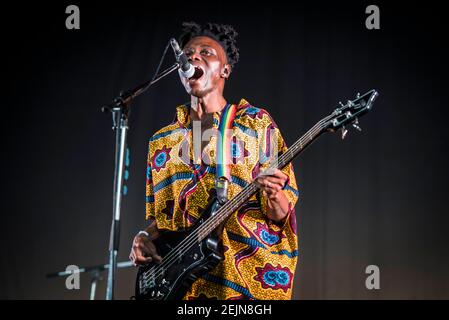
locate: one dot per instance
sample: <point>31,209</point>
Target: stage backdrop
<point>377,198</point>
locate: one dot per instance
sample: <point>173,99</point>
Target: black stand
<point>94,272</point>
<point>120,110</point>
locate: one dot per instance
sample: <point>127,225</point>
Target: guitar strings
<point>221,214</point>
<point>187,242</point>
<point>206,228</point>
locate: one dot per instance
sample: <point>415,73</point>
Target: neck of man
<point>205,106</point>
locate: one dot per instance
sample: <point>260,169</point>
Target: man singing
<point>258,241</point>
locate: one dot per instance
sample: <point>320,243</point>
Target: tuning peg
<point>344,131</point>
<point>358,94</point>
<point>356,125</point>
<point>340,103</point>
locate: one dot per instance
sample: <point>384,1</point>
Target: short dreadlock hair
<point>222,33</point>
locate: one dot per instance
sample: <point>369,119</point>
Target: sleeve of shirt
<point>149,194</point>
<point>273,145</point>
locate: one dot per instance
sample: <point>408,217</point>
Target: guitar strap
<point>223,152</point>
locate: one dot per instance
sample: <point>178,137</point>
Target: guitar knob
<point>356,124</point>
<point>159,294</point>
<point>344,132</point>
<point>356,127</point>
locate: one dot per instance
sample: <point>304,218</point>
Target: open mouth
<point>198,74</point>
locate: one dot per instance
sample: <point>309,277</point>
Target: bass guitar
<point>187,255</point>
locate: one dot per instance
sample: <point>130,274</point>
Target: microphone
<point>186,69</point>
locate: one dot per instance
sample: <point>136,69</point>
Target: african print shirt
<point>260,255</point>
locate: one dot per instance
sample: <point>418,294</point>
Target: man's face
<point>208,55</point>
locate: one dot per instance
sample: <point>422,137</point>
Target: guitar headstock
<point>349,113</point>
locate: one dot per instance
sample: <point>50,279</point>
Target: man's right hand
<point>143,251</point>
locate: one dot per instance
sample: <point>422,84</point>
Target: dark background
<point>379,197</point>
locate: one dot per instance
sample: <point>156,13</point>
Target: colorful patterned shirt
<point>260,254</point>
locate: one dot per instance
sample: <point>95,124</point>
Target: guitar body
<point>172,283</point>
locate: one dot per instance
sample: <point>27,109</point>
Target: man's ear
<point>226,71</point>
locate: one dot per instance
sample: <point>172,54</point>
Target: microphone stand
<point>94,273</point>
<point>120,110</point>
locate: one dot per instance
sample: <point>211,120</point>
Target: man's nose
<point>195,56</point>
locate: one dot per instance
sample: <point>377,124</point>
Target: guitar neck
<point>247,192</point>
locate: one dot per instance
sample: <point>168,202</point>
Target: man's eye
<point>206,52</point>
